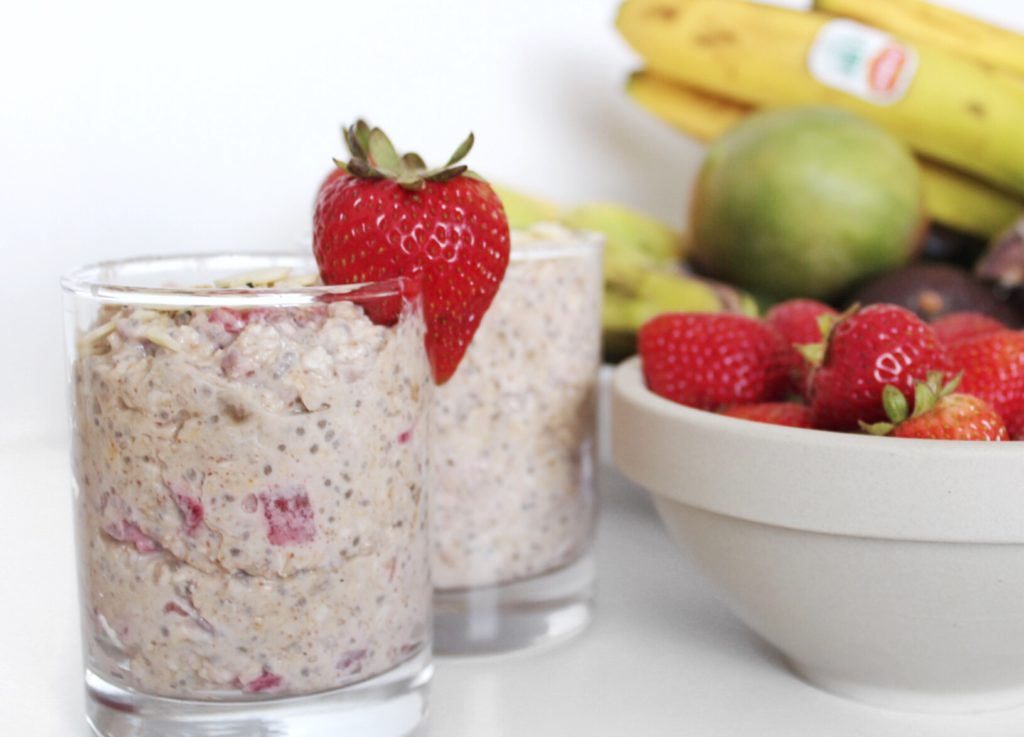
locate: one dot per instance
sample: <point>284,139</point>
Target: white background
<point>135,127</point>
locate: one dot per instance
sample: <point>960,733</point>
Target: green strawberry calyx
<point>927,395</point>
<point>373,156</point>
<point>814,353</point>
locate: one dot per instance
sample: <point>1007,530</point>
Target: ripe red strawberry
<point>956,417</point>
<point>956,326</point>
<point>773,413</point>
<point>389,216</point>
<point>993,366</point>
<point>710,361</point>
<point>939,414</point>
<point>333,174</point>
<point>799,322</point>
<point>866,350</point>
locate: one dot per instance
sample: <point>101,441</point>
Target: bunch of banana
<point>950,197</point>
<point>644,275</point>
<point>634,294</point>
<point>643,272</point>
<point>921,22</point>
<point>946,106</point>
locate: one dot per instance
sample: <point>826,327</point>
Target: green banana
<point>643,275</point>
<point>627,231</point>
<point>636,292</point>
<point>523,210</point>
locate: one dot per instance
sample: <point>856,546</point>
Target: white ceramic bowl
<point>887,570</point>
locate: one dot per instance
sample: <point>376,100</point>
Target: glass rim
<point>581,243</point>
<point>97,281</point>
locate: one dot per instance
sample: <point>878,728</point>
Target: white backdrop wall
<point>141,127</point>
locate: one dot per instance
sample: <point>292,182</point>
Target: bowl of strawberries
<point>850,484</point>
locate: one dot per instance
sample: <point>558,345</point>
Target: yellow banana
<point>953,110</point>
<point>966,204</point>
<point>699,114</point>
<point>950,197</point>
<point>919,21</point>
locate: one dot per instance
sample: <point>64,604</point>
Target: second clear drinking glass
<point>250,466</point>
<point>512,456</point>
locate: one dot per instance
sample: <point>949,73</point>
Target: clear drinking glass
<point>250,466</point>
<point>512,492</point>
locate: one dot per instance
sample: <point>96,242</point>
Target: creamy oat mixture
<point>512,493</point>
<point>251,511</point>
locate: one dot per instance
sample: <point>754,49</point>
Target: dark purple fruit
<point>1003,262</point>
<point>947,245</point>
<point>933,290</point>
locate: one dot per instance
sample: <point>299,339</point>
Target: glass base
<point>488,620</point>
<point>393,704</point>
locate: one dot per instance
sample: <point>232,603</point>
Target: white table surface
<point>663,656</point>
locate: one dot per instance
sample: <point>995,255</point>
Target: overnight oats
<point>250,463</point>
<point>512,494</point>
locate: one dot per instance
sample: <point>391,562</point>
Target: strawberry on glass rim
<point>387,216</point>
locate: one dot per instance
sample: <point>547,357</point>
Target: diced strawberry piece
<point>143,542</point>
<point>231,320</point>
<point>188,610</point>
<point>129,532</point>
<point>289,517</point>
<point>191,509</point>
<point>263,682</point>
<point>351,660</point>
<point>314,315</point>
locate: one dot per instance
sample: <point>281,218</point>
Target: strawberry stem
<point>462,150</point>
<point>814,353</point>
<point>373,156</point>
<point>927,395</point>
<point>895,404</point>
<point>879,428</point>
<point>925,398</point>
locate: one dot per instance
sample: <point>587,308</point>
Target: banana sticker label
<point>862,61</point>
